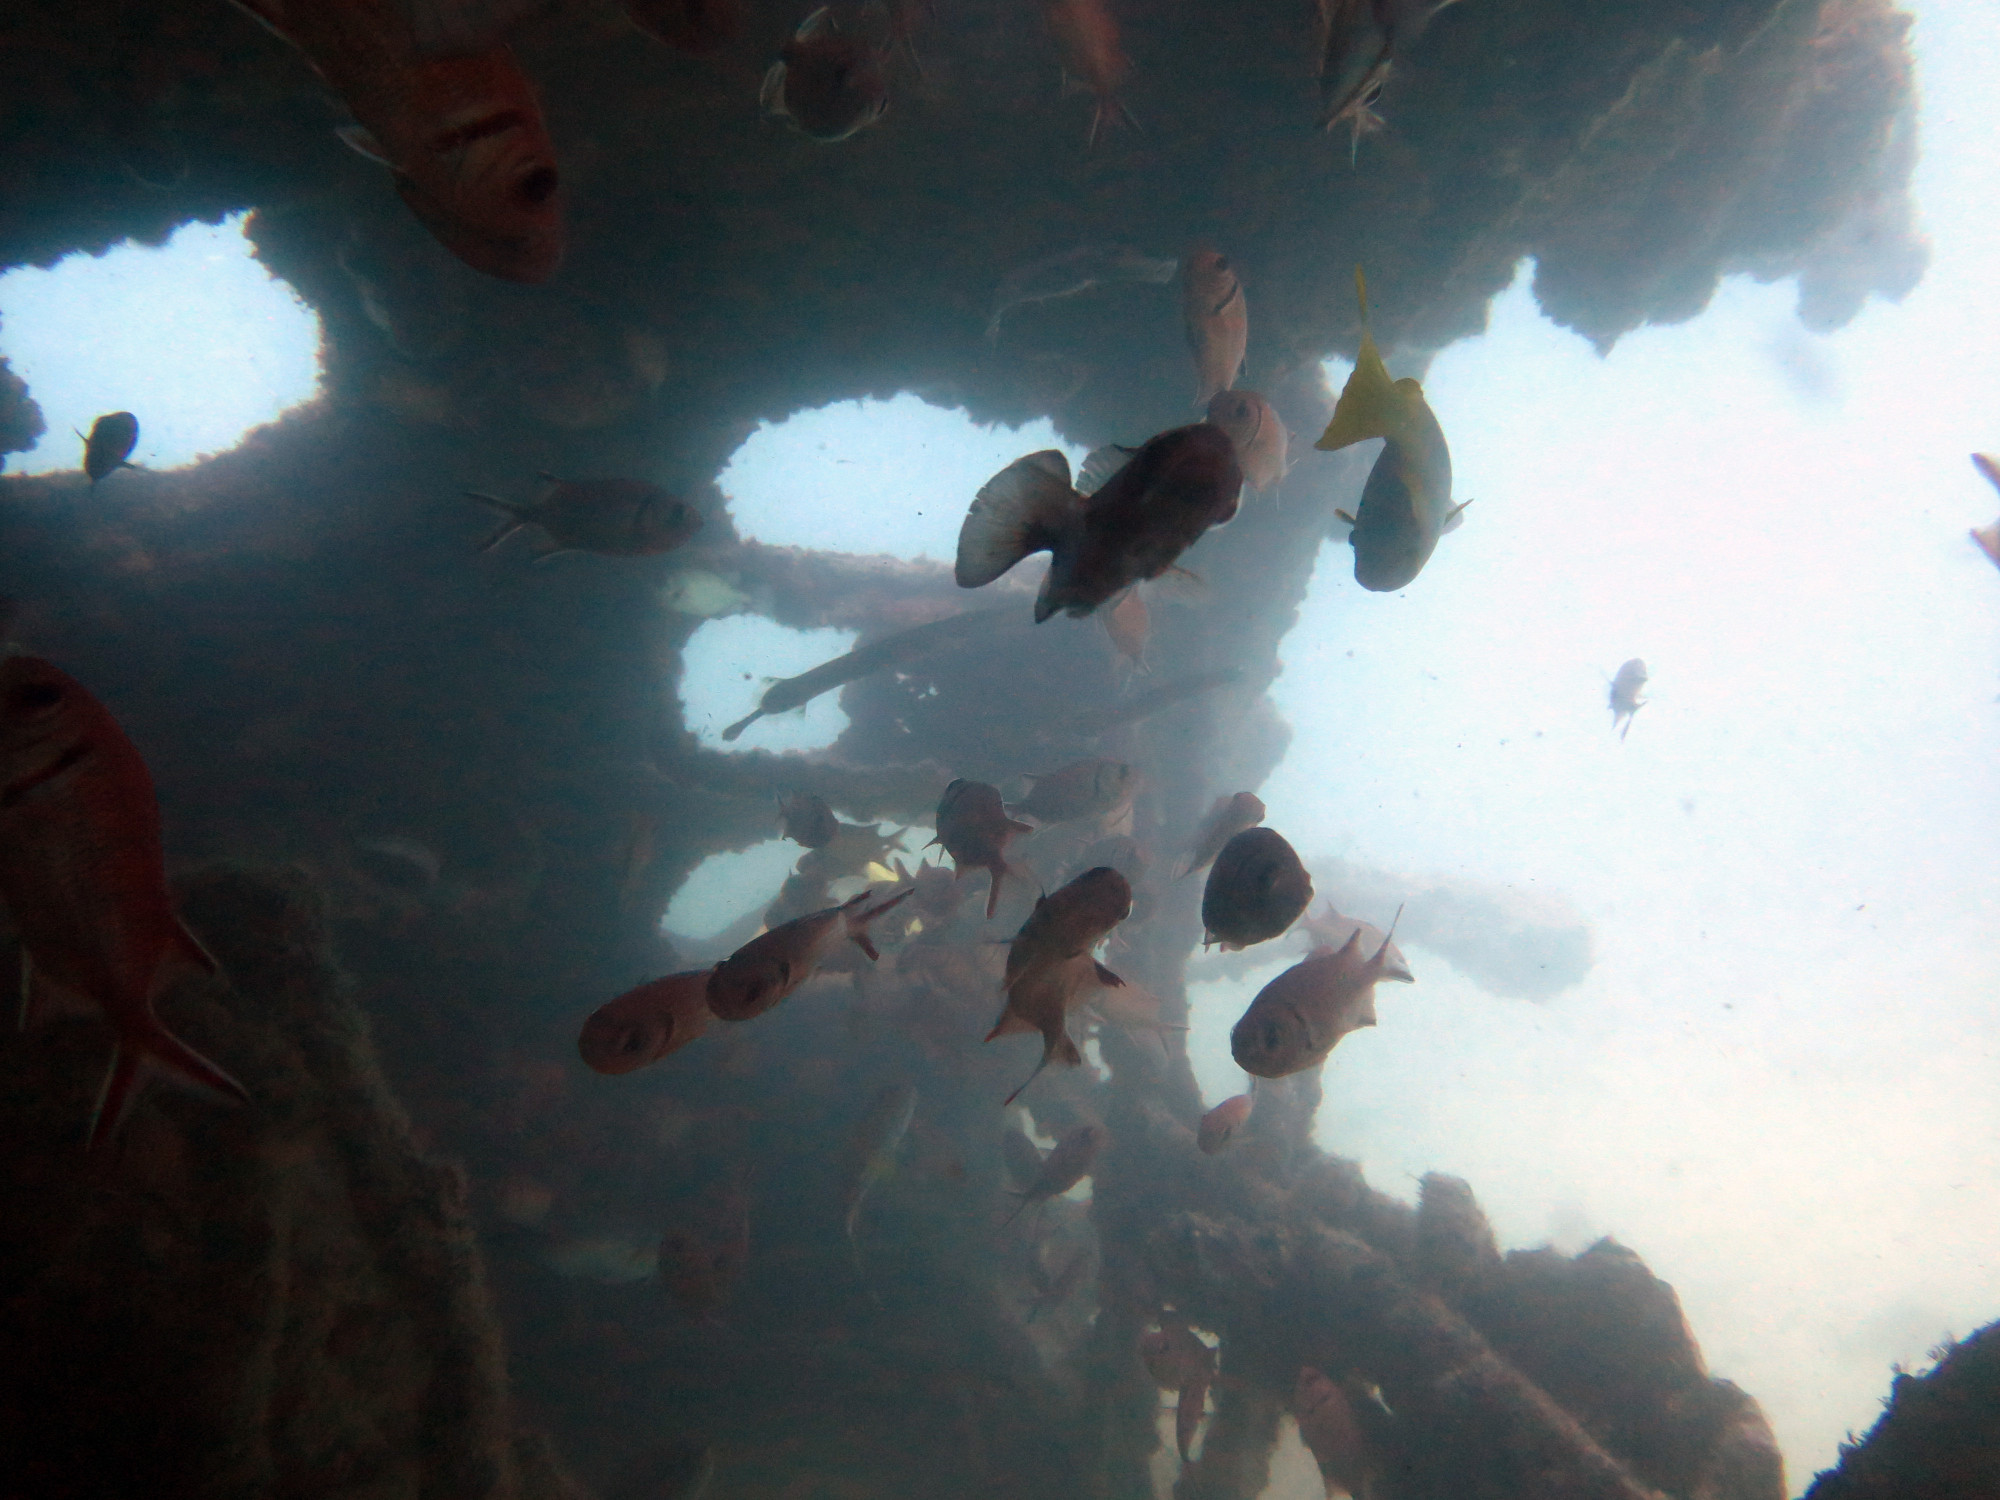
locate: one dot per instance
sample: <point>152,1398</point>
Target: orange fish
<point>974,829</point>
<point>699,1264</point>
<point>1043,1003</point>
<point>1071,922</point>
<point>612,517</point>
<point>773,964</point>
<point>1222,1123</point>
<point>1331,1429</point>
<point>643,1025</point>
<point>1263,443</point>
<point>1087,37</point>
<point>1070,1161</point>
<point>1229,817</point>
<point>1330,932</point>
<point>463,132</point>
<point>1179,1361</point>
<point>1255,891</point>
<point>83,876</point>
<point>1218,322</point>
<point>1298,1017</point>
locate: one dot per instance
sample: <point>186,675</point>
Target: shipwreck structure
<point>298,1299</point>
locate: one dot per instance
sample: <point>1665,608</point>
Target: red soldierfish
<point>1131,528</point>
<point>1256,890</point>
<point>83,876</point>
<point>773,964</point>
<point>699,1264</point>
<point>1071,922</point>
<point>1331,931</point>
<point>974,829</point>
<point>612,517</point>
<point>1072,1160</point>
<point>1043,1002</point>
<point>1087,37</point>
<point>1298,1017</point>
<point>463,132</point>
<point>643,1025</point>
<point>1222,1122</point>
<point>1229,817</point>
<point>1218,322</point>
<point>1263,443</point>
<point>1179,1361</point>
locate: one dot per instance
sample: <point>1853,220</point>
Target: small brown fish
<point>973,827</point>
<point>1131,528</point>
<point>83,876</point>
<point>827,83</point>
<point>460,127</point>
<point>1298,1017</point>
<point>1218,323</point>
<point>1099,788</point>
<point>700,1263</point>
<point>1179,1361</point>
<point>773,964</point>
<point>1256,890</point>
<point>1333,1433</point>
<point>1222,1122</point>
<point>612,517</point>
<point>1073,1158</point>
<point>1988,537</point>
<point>807,820</point>
<point>111,441</point>
<point>645,1024</point>
<point>1229,817</point>
<point>1130,625</point>
<point>1625,690</point>
<point>1361,41</point>
<point>1087,36</point>
<point>1330,931</point>
<point>1071,922</point>
<point>1042,1002</point>
<point>688,25</point>
<point>1263,445</point>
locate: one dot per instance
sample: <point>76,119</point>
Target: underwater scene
<point>999,749</point>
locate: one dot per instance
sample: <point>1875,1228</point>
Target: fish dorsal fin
<point>360,140</point>
<point>1019,511</point>
<point>1099,465</point>
<point>1988,466</point>
<point>1455,519</point>
<point>1380,961</point>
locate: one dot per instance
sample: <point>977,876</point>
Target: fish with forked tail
<point>1297,1018</point>
<point>643,1025</point>
<point>1130,529</point>
<point>1072,1159</point>
<point>83,876</point>
<point>1072,921</point>
<point>1406,503</point>
<point>611,517</point>
<point>1042,1002</point>
<point>973,827</point>
<point>773,964</point>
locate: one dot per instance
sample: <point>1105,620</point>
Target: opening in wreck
<point>194,336</point>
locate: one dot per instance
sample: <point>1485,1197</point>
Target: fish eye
<point>1274,1036</point>
<point>33,695</point>
<point>537,186</point>
<point>629,1041</point>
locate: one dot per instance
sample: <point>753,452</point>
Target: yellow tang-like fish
<point>1406,504</point>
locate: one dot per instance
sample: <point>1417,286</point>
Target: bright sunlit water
<point>728,663</point>
<point>193,337</point>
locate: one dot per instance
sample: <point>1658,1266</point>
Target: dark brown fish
<point>1099,788</point>
<point>807,820</point>
<point>1297,1018</point>
<point>612,517</point>
<point>643,1025</point>
<point>773,964</point>
<point>1042,1003</point>
<point>83,876</point>
<point>1072,1160</point>
<point>974,829</point>
<point>459,126</point>
<point>828,82</point>
<point>1071,922</point>
<point>1229,817</point>
<point>1131,528</point>
<point>111,441</point>
<point>1256,890</point>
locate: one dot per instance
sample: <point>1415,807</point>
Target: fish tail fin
<point>1456,518</point>
<point>857,922</point>
<point>741,724</point>
<point>1986,465</point>
<point>516,518</point>
<point>1021,510</point>
<point>1370,406</point>
<point>157,1048</point>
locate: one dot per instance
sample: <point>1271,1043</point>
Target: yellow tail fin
<point>1370,404</point>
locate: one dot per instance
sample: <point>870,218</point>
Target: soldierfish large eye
<point>32,696</point>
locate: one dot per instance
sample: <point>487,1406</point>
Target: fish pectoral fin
<point>1019,511</point>
<point>1455,519</point>
<point>1370,405</point>
<point>771,95</point>
<point>131,1060</point>
<point>360,140</point>
<point>1106,978</point>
